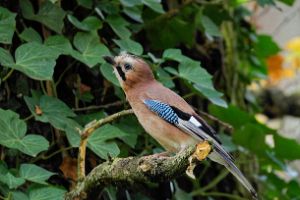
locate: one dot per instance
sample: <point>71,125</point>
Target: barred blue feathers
<point>163,110</point>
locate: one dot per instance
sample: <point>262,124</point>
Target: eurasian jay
<point>166,116</point>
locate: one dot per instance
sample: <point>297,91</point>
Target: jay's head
<point>130,70</point>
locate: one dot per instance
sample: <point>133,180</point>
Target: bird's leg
<point>202,151</point>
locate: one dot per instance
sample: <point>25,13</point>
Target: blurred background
<point>235,61</point>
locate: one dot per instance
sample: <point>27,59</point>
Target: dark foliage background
<point>54,81</point>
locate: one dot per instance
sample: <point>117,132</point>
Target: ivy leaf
<point>130,46</point>
<point>210,27</point>
<point>30,35</point>
<point>90,23</point>
<point>18,195</point>
<point>12,135</point>
<point>11,181</point>
<point>49,14</point>
<point>5,58</point>
<point>33,59</point>
<point>107,71</point>
<point>46,193</point>
<point>59,45</point>
<point>85,3</point>
<point>164,78</point>
<point>131,126</point>
<point>91,50</point>
<point>35,173</point>
<point>99,144</point>
<point>51,110</point>
<point>134,13</point>
<point>154,5</point>
<point>7,25</point>
<point>119,26</point>
<point>130,3</point>
<point>192,71</point>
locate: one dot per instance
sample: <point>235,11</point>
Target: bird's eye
<point>127,66</point>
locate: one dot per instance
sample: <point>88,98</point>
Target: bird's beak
<point>109,59</point>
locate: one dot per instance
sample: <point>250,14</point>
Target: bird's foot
<point>202,151</point>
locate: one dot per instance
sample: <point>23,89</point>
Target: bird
<point>166,116</point>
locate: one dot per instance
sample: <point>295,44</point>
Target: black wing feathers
<point>204,126</point>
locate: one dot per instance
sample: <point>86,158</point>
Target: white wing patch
<point>194,121</point>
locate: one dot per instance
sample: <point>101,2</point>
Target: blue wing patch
<point>163,110</point>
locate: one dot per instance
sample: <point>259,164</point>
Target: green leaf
<point>52,109</point>
<point>34,173</point>
<point>134,13</point>
<point>12,135</point>
<point>265,46</point>
<point>85,3</point>
<point>210,27</point>
<point>31,35</point>
<point>87,118</point>
<point>49,14</point>
<point>192,71</point>
<point>119,26</point>
<point>59,45</point>
<point>35,60</point>
<point>98,141</point>
<point>232,115</point>
<point>90,23</point>
<point>154,5</point>
<point>72,132</point>
<point>164,78</point>
<point>286,148</point>
<point>18,195</point>
<point>7,25</point>
<point>46,193</point>
<point>213,95</point>
<point>183,31</point>
<point>252,137</point>
<point>288,2</point>
<point>130,3</point>
<point>5,58</point>
<point>174,54</point>
<point>91,50</point>
<point>33,144</point>
<point>26,9</point>
<point>107,71</point>
<point>131,126</point>
<point>11,181</point>
<point>130,46</point>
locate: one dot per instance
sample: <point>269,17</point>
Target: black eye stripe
<point>121,73</point>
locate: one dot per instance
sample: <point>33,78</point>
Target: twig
<point>224,124</point>
<point>7,75</point>
<point>211,184</point>
<point>132,170</point>
<point>220,194</point>
<point>96,107</point>
<point>87,131</point>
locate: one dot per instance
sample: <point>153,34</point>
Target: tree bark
<point>132,170</point>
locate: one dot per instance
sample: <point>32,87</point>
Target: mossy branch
<point>132,170</point>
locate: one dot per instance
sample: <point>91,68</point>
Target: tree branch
<point>132,170</point>
<point>87,131</point>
